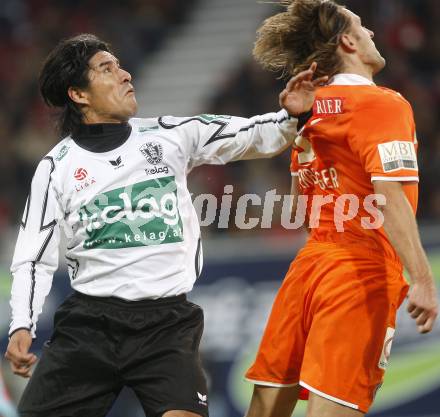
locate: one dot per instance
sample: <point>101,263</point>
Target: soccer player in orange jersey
<point>332,324</point>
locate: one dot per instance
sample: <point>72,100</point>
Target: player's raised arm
<point>35,260</point>
<point>388,151</point>
<point>213,139</point>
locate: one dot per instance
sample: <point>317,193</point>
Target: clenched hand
<point>18,353</point>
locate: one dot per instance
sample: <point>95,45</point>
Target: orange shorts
<point>332,324</point>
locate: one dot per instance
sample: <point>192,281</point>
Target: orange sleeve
<point>294,162</point>
<point>382,134</point>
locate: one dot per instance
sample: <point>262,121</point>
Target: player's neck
<point>92,117</point>
<point>358,69</point>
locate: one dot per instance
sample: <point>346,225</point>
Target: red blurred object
<point>304,394</point>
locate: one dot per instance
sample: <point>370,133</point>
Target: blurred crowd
<point>406,32</point>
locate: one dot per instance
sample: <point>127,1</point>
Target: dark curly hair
<point>67,66</point>
<point>309,30</point>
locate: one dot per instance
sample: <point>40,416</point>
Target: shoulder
<point>139,124</point>
<point>142,125</point>
<point>382,99</point>
<point>58,152</point>
<point>57,157</point>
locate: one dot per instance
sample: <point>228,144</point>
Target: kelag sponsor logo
<point>145,213</point>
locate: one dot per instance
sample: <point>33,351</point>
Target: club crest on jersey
<point>153,152</point>
<point>328,106</point>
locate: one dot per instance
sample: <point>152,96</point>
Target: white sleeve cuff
<point>399,179</point>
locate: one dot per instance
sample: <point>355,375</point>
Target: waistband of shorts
<point>363,248</point>
<point>135,304</point>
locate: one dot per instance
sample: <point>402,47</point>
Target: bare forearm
<point>401,228</point>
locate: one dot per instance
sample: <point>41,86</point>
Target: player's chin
<point>132,107</point>
<point>379,65</point>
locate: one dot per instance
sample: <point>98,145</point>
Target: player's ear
<point>77,95</point>
<point>348,42</point>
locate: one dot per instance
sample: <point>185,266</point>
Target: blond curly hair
<point>309,30</point>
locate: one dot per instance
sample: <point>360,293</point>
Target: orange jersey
<point>357,134</point>
<point>333,321</point>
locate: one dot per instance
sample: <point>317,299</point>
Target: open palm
<point>299,94</point>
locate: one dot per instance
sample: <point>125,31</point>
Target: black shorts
<point>99,345</point>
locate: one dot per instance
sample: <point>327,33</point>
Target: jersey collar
<point>349,79</point>
<point>101,137</point>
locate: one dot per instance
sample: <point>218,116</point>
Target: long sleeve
<point>36,251</point>
<point>212,139</point>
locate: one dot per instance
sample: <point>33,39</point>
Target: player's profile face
<point>365,45</point>
<point>110,94</point>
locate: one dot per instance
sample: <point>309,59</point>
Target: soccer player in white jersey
<point>116,187</point>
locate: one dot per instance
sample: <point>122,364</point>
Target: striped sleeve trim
<point>17,329</point>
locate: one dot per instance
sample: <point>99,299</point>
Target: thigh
<point>280,354</point>
<point>273,402</point>
<point>322,407</point>
<point>75,376</point>
<point>180,413</point>
<point>351,321</point>
<point>166,372</point>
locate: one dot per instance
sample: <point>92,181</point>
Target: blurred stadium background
<point>194,56</point>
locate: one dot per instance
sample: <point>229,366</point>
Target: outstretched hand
<point>299,94</point>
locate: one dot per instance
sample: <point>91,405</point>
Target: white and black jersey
<point>131,228</point>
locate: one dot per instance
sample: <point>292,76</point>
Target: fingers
<point>21,362</point>
<point>304,79</point>
<point>424,318</point>
<point>320,81</point>
<point>427,326</point>
<point>22,367</point>
<point>15,355</point>
<point>297,80</point>
<point>421,318</point>
<point>414,311</point>
<point>23,370</point>
<point>282,97</point>
<point>306,75</point>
